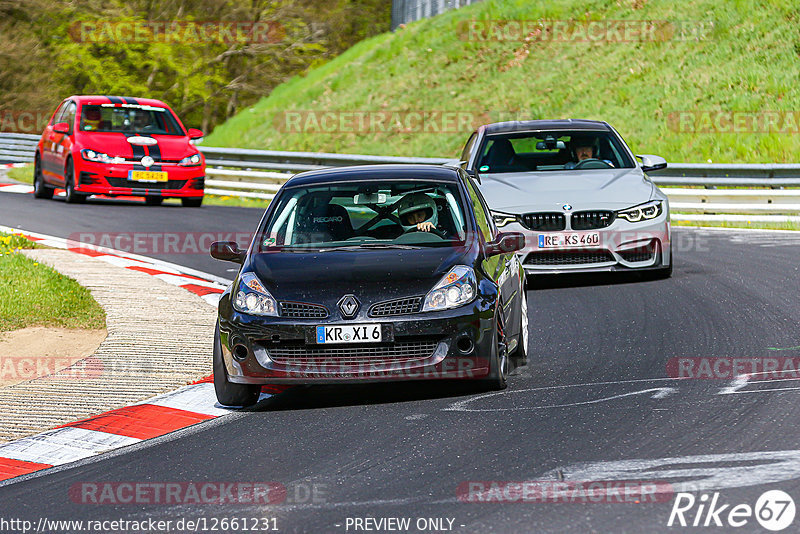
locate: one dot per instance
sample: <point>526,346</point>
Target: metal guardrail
<point>405,11</point>
<point>260,173</point>
<point>17,148</point>
<point>711,175</point>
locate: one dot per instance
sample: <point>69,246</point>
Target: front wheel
<point>228,393</point>
<point>192,202</point>
<point>498,365</point>
<point>40,189</point>
<point>521,352</point>
<point>70,195</point>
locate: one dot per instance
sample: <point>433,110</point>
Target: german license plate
<point>357,333</point>
<point>569,240</point>
<point>148,176</point>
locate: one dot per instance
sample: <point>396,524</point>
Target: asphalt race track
<point>123,220</point>
<point>594,403</point>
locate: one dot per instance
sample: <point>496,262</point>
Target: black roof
<point>560,124</point>
<point>376,172</point>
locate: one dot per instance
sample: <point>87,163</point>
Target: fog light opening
<point>465,345</point>
<point>240,352</point>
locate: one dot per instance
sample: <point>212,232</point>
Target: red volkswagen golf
<point>111,145</point>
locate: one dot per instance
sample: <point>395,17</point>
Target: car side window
<point>69,116</point>
<point>488,212</point>
<point>58,113</point>
<point>482,217</point>
<point>467,152</point>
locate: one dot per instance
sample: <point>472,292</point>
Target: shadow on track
<point>560,281</point>
<point>336,395</point>
<point>116,202</point>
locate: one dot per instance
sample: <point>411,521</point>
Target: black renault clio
<point>371,273</point>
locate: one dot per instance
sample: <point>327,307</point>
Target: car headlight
<point>643,212</point>
<point>190,161</point>
<point>99,157</point>
<point>253,298</point>
<point>458,287</point>
<point>501,219</point>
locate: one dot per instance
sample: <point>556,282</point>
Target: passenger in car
<point>91,119</point>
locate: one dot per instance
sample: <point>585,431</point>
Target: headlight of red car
<point>99,157</point>
<point>190,161</point>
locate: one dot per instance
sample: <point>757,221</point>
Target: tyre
<point>153,201</point>
<point>40,189</point>
<point>228,393</point>
<point>192,202</point>
<point>70,195</point>
<point>521,352</point>
<point>498,366</point>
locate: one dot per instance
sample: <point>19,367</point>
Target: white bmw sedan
<point>578,193</point>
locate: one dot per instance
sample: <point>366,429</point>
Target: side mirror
<point>227,251</point>
<point>194,133</point>
<point>505,243</point>
<point>61,127</point>
<point>652,163</point>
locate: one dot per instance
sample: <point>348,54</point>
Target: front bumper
<point>112,180</point>
<point>623,246</point>
<point>451,344</point>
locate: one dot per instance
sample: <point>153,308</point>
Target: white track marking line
<point>16,188</point>
<point>742,381</point>
<point>60,242</point>
<point>122,262</point>
<point>212,298</point>
<point>461,406</point>
<point>178,280</point>
<point>63,445</point>
<point>198,398</point>
<point>738,383</point>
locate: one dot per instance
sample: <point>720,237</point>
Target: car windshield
<point>129,119</point>
<point>557,150</point>
<point>363,215</point>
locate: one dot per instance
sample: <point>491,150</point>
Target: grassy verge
<point>742,58</point>
<point>21,174</point>
<point>35,295</point>
<point>737,224</point>
<point>25,175</point>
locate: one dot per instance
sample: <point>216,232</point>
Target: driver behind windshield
<point>417,212</point>
<point>583,148</point>
<point>141,122</point>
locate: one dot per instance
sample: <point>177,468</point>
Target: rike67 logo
<point>774,510</point>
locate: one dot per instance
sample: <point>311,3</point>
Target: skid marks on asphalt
<point>598,393</point>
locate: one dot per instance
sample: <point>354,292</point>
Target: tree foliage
<point>50,49</point>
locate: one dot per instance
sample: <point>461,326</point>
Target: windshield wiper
<point>388,245</point>
<point>371,245</point>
